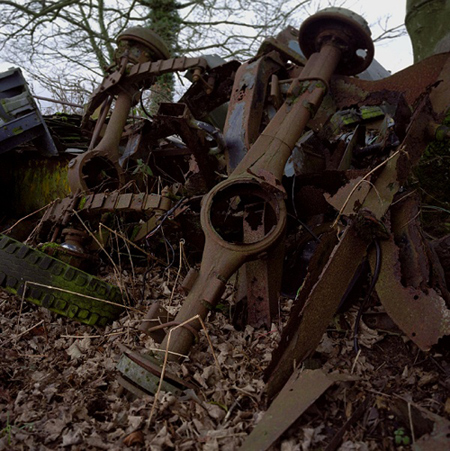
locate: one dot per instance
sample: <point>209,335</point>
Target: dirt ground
<point>59,389</point>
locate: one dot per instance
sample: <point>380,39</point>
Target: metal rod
<point>62,102</point>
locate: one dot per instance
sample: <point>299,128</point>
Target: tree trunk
<point>427,24</point>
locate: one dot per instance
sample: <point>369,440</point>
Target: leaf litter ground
<point>59,389</point>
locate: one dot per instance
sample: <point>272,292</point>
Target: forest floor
<point>59,388</point>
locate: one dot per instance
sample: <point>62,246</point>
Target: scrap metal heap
<point>306,187</point>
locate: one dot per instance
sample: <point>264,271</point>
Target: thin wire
<point>144,109</point>
<point>163,218</point>
<point>171,248</point>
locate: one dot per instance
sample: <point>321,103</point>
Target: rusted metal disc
<point>141,374</point>
<point>345,29</point>
<point>148,38</point>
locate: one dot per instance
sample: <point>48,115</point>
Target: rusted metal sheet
<point>247,102</point>
<point>413,82</point>
<point>413,260</point>
<point>304,330</point>
<point>440,94</point>
<point>422,315</point>
<point>262,278</point>
<point>143,372</point>
<point>299,393</point>
<point>349,198</point>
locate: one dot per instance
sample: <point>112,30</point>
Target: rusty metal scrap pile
<point>305,188</point>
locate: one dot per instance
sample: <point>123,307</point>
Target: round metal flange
<point>344,29</point>
<point>155,47</point>
<point>94,171</point>
<point>143,372</point>
<point>240,193</point>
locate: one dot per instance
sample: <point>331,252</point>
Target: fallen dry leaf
<point>135,438</point>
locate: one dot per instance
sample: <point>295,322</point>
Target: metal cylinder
<point>427,24</point>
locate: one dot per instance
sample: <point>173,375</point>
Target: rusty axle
<point>257,178</point>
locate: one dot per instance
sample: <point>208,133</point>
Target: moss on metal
<point>50,283</point>
<point>37,182</point>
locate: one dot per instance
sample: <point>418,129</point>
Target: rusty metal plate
<point>423,317</point>
<point>350,197</point>
<point>412,81</point>
<point>153,201</point>
<point>124,202</point>
<point>299,393</point>
<point>262,277</point>
<point>246,107</point>
<point>111,200</point>
<point>144,372</point>
<point>98,200</point>
<point>415,265</point>
<point>304,331</point>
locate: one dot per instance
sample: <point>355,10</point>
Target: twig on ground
<point>355,361</point>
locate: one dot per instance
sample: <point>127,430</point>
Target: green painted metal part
<point>427,24</point>
<point>52,284</point>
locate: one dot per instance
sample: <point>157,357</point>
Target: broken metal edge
<point>408,306</point>
<point>301,391</point>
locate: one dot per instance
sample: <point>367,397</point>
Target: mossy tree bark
<point>427,24</point>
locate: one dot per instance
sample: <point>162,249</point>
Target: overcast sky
<point>394,54</point>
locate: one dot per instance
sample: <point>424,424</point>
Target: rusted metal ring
<point>244,186</point>
<point>86,172</point>
<point>343,28</point>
